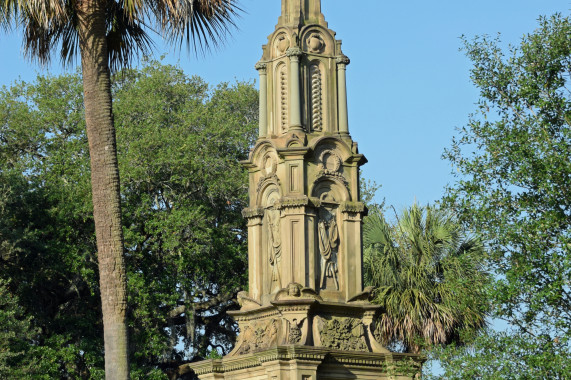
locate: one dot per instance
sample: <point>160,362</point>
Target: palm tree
<point>108,34</point>
<point>428,277</point>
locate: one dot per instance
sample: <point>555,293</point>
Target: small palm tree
<point>428,277</point>
<point>107,34</point>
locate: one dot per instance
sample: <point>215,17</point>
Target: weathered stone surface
<point>305,363</point>
<point>306,314</point>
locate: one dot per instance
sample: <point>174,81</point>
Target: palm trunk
<point>105,185</point>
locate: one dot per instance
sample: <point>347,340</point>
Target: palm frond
<point>126,37</point>
<point>427,275</point>
<point>202,23</point>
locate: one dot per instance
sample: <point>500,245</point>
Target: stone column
<point>255,257</point>
<point>263,119</point>
<point>342,62</point>
<point>352,247</point>
<point>294,89</point>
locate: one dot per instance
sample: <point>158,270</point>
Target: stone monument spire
<point>304,169</point>
<point>301,12</point>
<point>305,314</point>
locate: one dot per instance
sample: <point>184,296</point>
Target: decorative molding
<point>283,88</point>
<point>353,207</point>
<point>377,362</point>
<point>249,213</point>
<point>269,179</point>
<point>316,98</point>
<point>247,303</point>
<point>364,297</point>
<point>244,316</point>
<point>293,202</point>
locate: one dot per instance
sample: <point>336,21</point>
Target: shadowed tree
<point>108,34</point>
<point>428,278</point>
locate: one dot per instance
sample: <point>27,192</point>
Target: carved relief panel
<point>282,43</point>
<point>328,242</point>
<point>347,334</point>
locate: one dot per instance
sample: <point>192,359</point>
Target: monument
<point>305,315</point>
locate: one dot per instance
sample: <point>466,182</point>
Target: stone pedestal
<point>309,363</point>
<point>299,336</point>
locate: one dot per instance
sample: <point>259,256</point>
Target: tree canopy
<point>107,35</point>
<point>513,162</point>
<point>182,191</point>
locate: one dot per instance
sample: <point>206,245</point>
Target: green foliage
<point>502,355</point>
<point>428,277</point>
<point>179,143</point>
<point>514,184</point>
<point>368,192</point>
<point>16,333</point>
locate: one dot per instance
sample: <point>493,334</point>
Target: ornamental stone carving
<point>274,247</point>
<point>294,333</point>
<point>296,291</point>
<point>259,336</point>
<point>294,52</point>
<point>329,162</point>
<point>328,235</point>
<point>340,333</point>
<point>343,60</point>
<point>261,66</point>
<point>316,98</point>
<point>282,44</point>
<point>283,98</point>
<point>268,169</point>
<point>315,43</point>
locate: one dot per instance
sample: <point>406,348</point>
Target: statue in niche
<point>274,247</point>
<point>328,236</point>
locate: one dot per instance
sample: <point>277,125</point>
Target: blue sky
<point>408,82</point>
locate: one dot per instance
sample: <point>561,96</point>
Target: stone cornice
<point>292,152</point>
<point>353,207</point>
<point>249,213</point>
<point>306,354</point>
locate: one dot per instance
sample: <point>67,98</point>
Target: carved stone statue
<point>328,242</point>
<point>275,247</point>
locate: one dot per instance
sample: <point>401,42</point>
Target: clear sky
<point>408,82</point>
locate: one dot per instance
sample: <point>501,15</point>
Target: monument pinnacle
<point>301,12</point>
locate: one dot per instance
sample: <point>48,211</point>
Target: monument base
<point>310,363</point>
